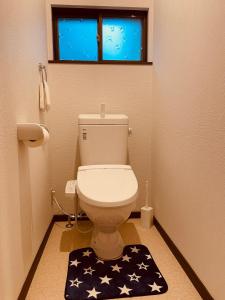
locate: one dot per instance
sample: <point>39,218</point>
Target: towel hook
<point>42,67</point>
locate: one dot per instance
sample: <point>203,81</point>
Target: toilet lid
<point>107,185</point>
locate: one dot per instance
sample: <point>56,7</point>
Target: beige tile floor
<point>49,279</point>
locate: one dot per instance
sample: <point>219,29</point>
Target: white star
<point>126,258</point>
<point>75,282</point>
<point>99,261</point>
<point>93,293</point>
<point>116,268</point>
<point>105,279</point>
<point>148,256</point>
<point>159,274</point>
<point>135,249</point>
<point>89,271</point>
<point>155,287</point>
<point>87,253</point>
<point>74,263</point>
<point>134,277</point>
<point>142,266</point>
<point>124,290</point>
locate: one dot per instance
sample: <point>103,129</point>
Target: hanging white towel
<point>46,95</point>
<point>41,96</point>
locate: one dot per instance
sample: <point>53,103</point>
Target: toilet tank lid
<point>95,167</point>
<point>109,119</point>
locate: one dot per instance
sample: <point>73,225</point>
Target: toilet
<point>107,187</point>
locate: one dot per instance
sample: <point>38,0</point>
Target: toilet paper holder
<point>30,131</point>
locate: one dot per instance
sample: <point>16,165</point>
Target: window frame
<point>99,14</point>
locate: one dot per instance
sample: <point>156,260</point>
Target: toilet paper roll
<point>40,142</point>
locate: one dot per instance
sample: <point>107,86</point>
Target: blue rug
<point>134,274</point>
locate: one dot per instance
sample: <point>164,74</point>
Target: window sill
<point>100,62</point>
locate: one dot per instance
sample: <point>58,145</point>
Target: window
<point>99,35</point>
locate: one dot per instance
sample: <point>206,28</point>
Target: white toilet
<point>106,185</point>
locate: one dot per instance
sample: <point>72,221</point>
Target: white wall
<point>188,144</point>
<point>24,174</point>
<point>81,88</point>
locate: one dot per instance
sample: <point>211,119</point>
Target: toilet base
<point>106,239</point>
<point>107,243</point>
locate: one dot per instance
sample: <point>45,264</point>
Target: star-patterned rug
<point>134,274</point>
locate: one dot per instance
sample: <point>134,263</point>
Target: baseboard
<point>202,290</point>
<point>135,215</point>
<point>64,218</point>
<point>35,263</point>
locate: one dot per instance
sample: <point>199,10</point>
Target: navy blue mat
<point>134,274</point>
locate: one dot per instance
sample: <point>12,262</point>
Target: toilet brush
<point>146,211</point>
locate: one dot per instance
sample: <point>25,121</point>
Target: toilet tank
<point>103,140</point>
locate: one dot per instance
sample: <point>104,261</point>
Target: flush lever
<point>130,131</point>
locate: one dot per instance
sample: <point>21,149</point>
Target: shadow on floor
<point>72,239</point>
<point>129,234</point>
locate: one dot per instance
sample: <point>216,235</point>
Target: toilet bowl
<point>107,194</point>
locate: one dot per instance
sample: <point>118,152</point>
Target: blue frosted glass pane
<point>122,39</point>
<point>78,39</point>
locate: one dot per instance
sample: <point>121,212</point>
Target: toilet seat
<point>107,185</point>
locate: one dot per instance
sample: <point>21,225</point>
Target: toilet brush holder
<point>146,211</point>
<point>146,217</point>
